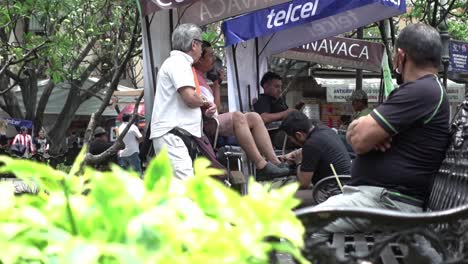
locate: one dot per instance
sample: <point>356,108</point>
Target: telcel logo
<point>166,3</point>
<point>293,14</point>
<point>395,2</point>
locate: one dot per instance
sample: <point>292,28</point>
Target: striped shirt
<point>24,140</point>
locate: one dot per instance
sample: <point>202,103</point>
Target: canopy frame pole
<point>257,68</point>
<point>150,49</point>
<point>236,72</point>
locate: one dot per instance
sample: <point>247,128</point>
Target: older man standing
<point>177,103</point>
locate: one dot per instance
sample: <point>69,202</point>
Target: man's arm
<point>138,135</point>
<point>190,97</point>
<point>365,134</point>
<point>272,117</point>
<point>304,178</point>
<point>311,156</point>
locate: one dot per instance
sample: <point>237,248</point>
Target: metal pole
<point>445,39</point>
<point>360,35</point>
<point>234,47</point>
<point>257,68</point>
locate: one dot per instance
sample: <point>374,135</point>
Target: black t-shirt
<point>268,104</point>
<point>97,147</point>
<point>322,148</point>
<point>416,115</point>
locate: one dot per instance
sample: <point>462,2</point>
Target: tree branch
<point>83,54</point>
<point>434,13</point>
<point>114,82</point>
<point>447,11</point>
<point>41,105</point>
<point>13,76</point>
<point>118,144</point>
<point>2,92</point>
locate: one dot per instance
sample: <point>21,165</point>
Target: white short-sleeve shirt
<point>169,110</point>
<point>130,140</point>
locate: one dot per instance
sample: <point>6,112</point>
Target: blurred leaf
<point>159,174</point>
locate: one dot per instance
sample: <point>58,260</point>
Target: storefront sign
<point>455,92</point>
<point>458,56</point>
<point>344,52</point>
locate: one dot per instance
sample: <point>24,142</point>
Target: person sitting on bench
<point>320,147</point>
<point>401,143</point>
<point>248,128</point>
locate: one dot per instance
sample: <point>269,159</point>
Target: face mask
<point>399,75</point>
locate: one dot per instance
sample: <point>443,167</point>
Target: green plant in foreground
<point>123,219</point>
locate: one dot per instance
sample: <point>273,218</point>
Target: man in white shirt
<point>178,101</point>
<point>129,157</point>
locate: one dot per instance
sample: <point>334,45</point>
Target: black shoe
<point>271,171</point>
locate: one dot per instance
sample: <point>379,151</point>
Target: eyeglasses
<point>198,40</point>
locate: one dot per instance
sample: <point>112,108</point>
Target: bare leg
<point>246,141</point>
<point>261,136</point>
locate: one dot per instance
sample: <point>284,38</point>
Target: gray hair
<point>183,36</point>
<point>421,43</point>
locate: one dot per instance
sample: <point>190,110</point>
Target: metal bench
<point>438,235</point>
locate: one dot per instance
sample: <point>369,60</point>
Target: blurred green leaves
<point>123,219</point>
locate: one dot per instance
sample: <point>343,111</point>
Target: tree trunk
<point>11,105</point>
<point>29,93</point>
<point>41,106</point>
<point>64,120</point>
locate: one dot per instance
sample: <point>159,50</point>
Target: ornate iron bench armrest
<point>316,218</point>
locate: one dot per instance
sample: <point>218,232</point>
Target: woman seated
<point>248,128</point>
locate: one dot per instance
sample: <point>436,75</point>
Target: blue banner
<point>19,122</point>
<point>299,12</point>
<point>458,56</point>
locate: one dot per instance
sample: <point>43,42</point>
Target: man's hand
<point>210,109</point>
<point>221,76</point>
<point>295,156</point>
<point>299,105</point>
<point>351,127</point>
<point>365,134</point>
<point>385,145</point>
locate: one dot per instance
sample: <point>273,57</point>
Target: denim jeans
<point>131,162</point>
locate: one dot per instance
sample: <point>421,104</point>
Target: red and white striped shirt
<point>24,140</point>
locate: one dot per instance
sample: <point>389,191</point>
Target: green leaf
<point>78,161</point>
<point>159,174</point>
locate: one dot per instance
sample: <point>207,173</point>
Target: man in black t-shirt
<point>99,145</point>
<point>321,147</point>
<point>270,105</point>
<point>401,143</point>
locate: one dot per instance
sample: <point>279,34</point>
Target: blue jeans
<point>132,161</point>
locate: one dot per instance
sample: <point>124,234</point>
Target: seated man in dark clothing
<point>321,147</point>
<point>99,145</point>
<point>402,142</point>
<point>271,106</point>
